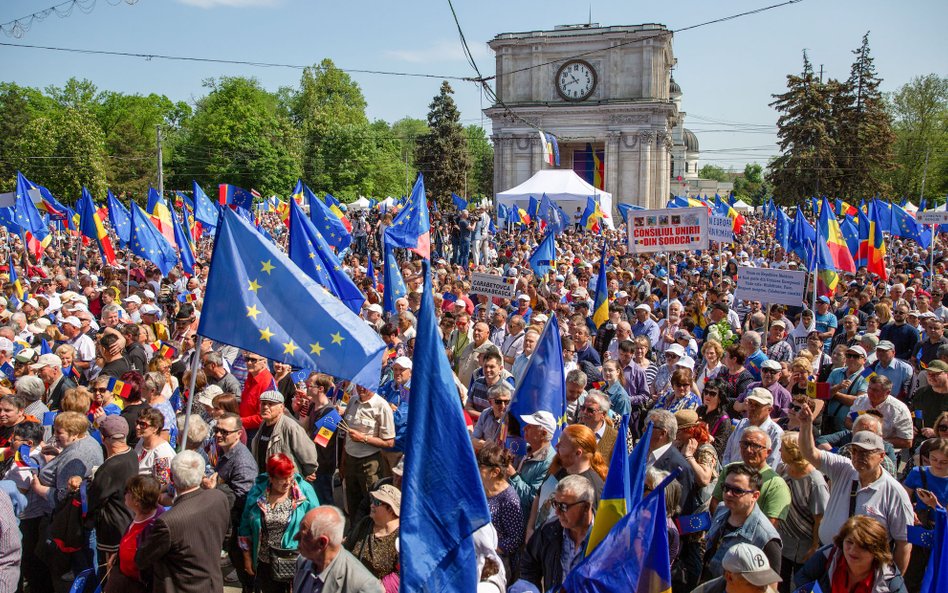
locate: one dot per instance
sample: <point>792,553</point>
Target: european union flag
<point>502,212</point>
<point>633,556</point>
<point>543,385</point>
<point>637,462</point>
<point>411,228</point>
<point>44,347</point>
<point>308,250</point>
<point>435,534</point>
<point>904,225</point>
<point>851,235</point>
<point>370,272</point>
<point>459,202</point>
<point>688,524</point>
<point>783,227</point>
<point>624,210</point>
<point>327,223</point>
<point>204,210</point>
<point>394,285</point>
<point>184,246</point>
<point>147,242</point>
<point>231,195</point>
<point>549,214</point>
<point>884,216</point>
<point>119,218</point>
<point>938,560</point>
<point>544,255</point>
<point>802,236</point>
<point>259,300</point>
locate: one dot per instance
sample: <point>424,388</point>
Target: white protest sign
<point>493,285</point>
<point>784,287</point>
<point>932,217</point>
<point>720,229</point>
<point>668,229</point>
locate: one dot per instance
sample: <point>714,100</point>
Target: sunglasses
<point>734,490</point>
<point>752,446</point>
<point>769,371</point>
<point>503,402</point>
<point>99,390</point>
<point>562,507</point>
<point>143,425</point>
<point>590,410</point>
<point>223,431</point>
<point>853,355</point>
<point>253,360</point>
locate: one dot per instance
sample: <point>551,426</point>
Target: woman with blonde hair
<point>576,453</point>
<point>859,559</point>
<point>711,365</point>
<point>810,495</point>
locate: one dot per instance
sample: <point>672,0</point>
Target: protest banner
<point>932,217</point>
<point>720,229</point>
<point>493,285</point>
<point>784,287</point>
<point>668,229</point>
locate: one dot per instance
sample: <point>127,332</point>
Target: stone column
<point>646,143</point>
<point>612,166</point>
<point>663,181</point>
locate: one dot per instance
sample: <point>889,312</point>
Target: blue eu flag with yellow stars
<point>543,385</point>
<point>311,253</point>
<point>147,242</point>
<point>328,224</point>
<point>119,217</point>
<point>259,300</point>
<point>394,285</point>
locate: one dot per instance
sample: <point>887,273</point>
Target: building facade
<point>604,92</point>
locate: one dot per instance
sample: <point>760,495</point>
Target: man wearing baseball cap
<point>859,487</point>
<point>769,374</point>
<point>530,470</point>
<point>759,403</point>
<point>746,570</point>
<point>897,371</point>
<point>846,384</point>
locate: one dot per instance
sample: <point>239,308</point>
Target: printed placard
<point>668,229</point>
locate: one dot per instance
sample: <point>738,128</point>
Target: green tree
<point>713,172</point>
<point>129,123</point>
<point>863,131</point>
<point>408,130</point>
<point>442,153</point>
<point>81,95</point>
<point>919,111</point>
<point>18,107</point>
<point>481,182</point>
<point>751,185</point>
<point>806,165</point>
<point>238,135</point>
<point>63,149</point>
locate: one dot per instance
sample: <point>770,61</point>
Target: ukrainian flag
<point>601,306</point>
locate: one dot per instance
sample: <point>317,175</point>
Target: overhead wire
<point>20,26</point>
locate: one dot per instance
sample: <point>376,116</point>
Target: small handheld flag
<point>119,388</point>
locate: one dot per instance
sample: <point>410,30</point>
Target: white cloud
<point>442,51</point>
<point>228,3</point>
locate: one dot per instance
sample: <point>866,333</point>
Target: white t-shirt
<point>896,417</point>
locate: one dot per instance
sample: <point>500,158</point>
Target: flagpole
<point>194,370</point>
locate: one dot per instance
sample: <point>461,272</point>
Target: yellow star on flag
<point>267,266</point>
<point>253,311</point>
<point>254,286</point>
<point>266,334</point>
<point>316,349</point>
<point>337,338</point>
<point>290,348</point>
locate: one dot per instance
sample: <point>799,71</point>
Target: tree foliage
<point>713,172</point>
<point>919,112</point>
<point>751,185</point>
<point>835,137</point>
<point>481,184</point>
<point>442,153</point>
<point>238,135</point>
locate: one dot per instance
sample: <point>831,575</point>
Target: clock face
<point>576,80</point>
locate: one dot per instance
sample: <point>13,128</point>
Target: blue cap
<point>824,299</point>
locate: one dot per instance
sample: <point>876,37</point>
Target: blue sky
<point>727,71</point>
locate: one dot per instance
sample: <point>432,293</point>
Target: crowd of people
<point>816,438</point>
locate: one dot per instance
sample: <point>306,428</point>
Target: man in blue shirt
<point>750,344</point>
<point>897,371</point>
<point>645,325</point>
<point>826,322</point>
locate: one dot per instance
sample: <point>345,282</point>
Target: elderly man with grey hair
<point>755,446</point>
<point>183,559</point>
<point>593,413</point>
<point>489,424</point>
<point>665,456</point>
<point>558,546</point>
<point>575,394</point>
<point>324,566</point>
<point>32,389</point>
<point>750,345</point>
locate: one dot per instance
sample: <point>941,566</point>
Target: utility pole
<point>161,175</point>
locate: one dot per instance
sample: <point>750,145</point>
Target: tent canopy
<point>361,204</point>
<point>564,187</point>
<point>742,206</point>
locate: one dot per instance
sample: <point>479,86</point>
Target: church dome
<point>691,141</point>
<point>673,88</point>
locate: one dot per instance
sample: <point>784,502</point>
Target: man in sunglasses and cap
<point>746,570</point>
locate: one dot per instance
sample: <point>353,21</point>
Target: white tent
<point>360,204</point>
<point>742,206</point>
<point>564,187</point>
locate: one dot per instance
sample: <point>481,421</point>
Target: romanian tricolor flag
<point>90,225</point>
<point>600,313</point>
<point>872,245</point>
<point>725,209</point>
<point>520,215</point>
<point>847,209</point>
<point>336,208</point>
<point>160,215</point>
<point>119,388</point>
<point>164,349</point>
<point>832,253</point>
<point>15,280</point>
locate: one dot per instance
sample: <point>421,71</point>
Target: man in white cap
<point>759,402</point>
<point>49,368</point>
<point>373,316</point>
<point>846,384</point>
<point>746,570</point>
<point>85,347</point>
<point>132,304</point>
<point>778,348</point>
<point>150,320</point>
<point>769,374</point>
<point>645,325</point>
<point>527,473</point>
<point>859,487</point>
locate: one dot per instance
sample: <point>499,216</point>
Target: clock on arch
<point>576,80</point>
